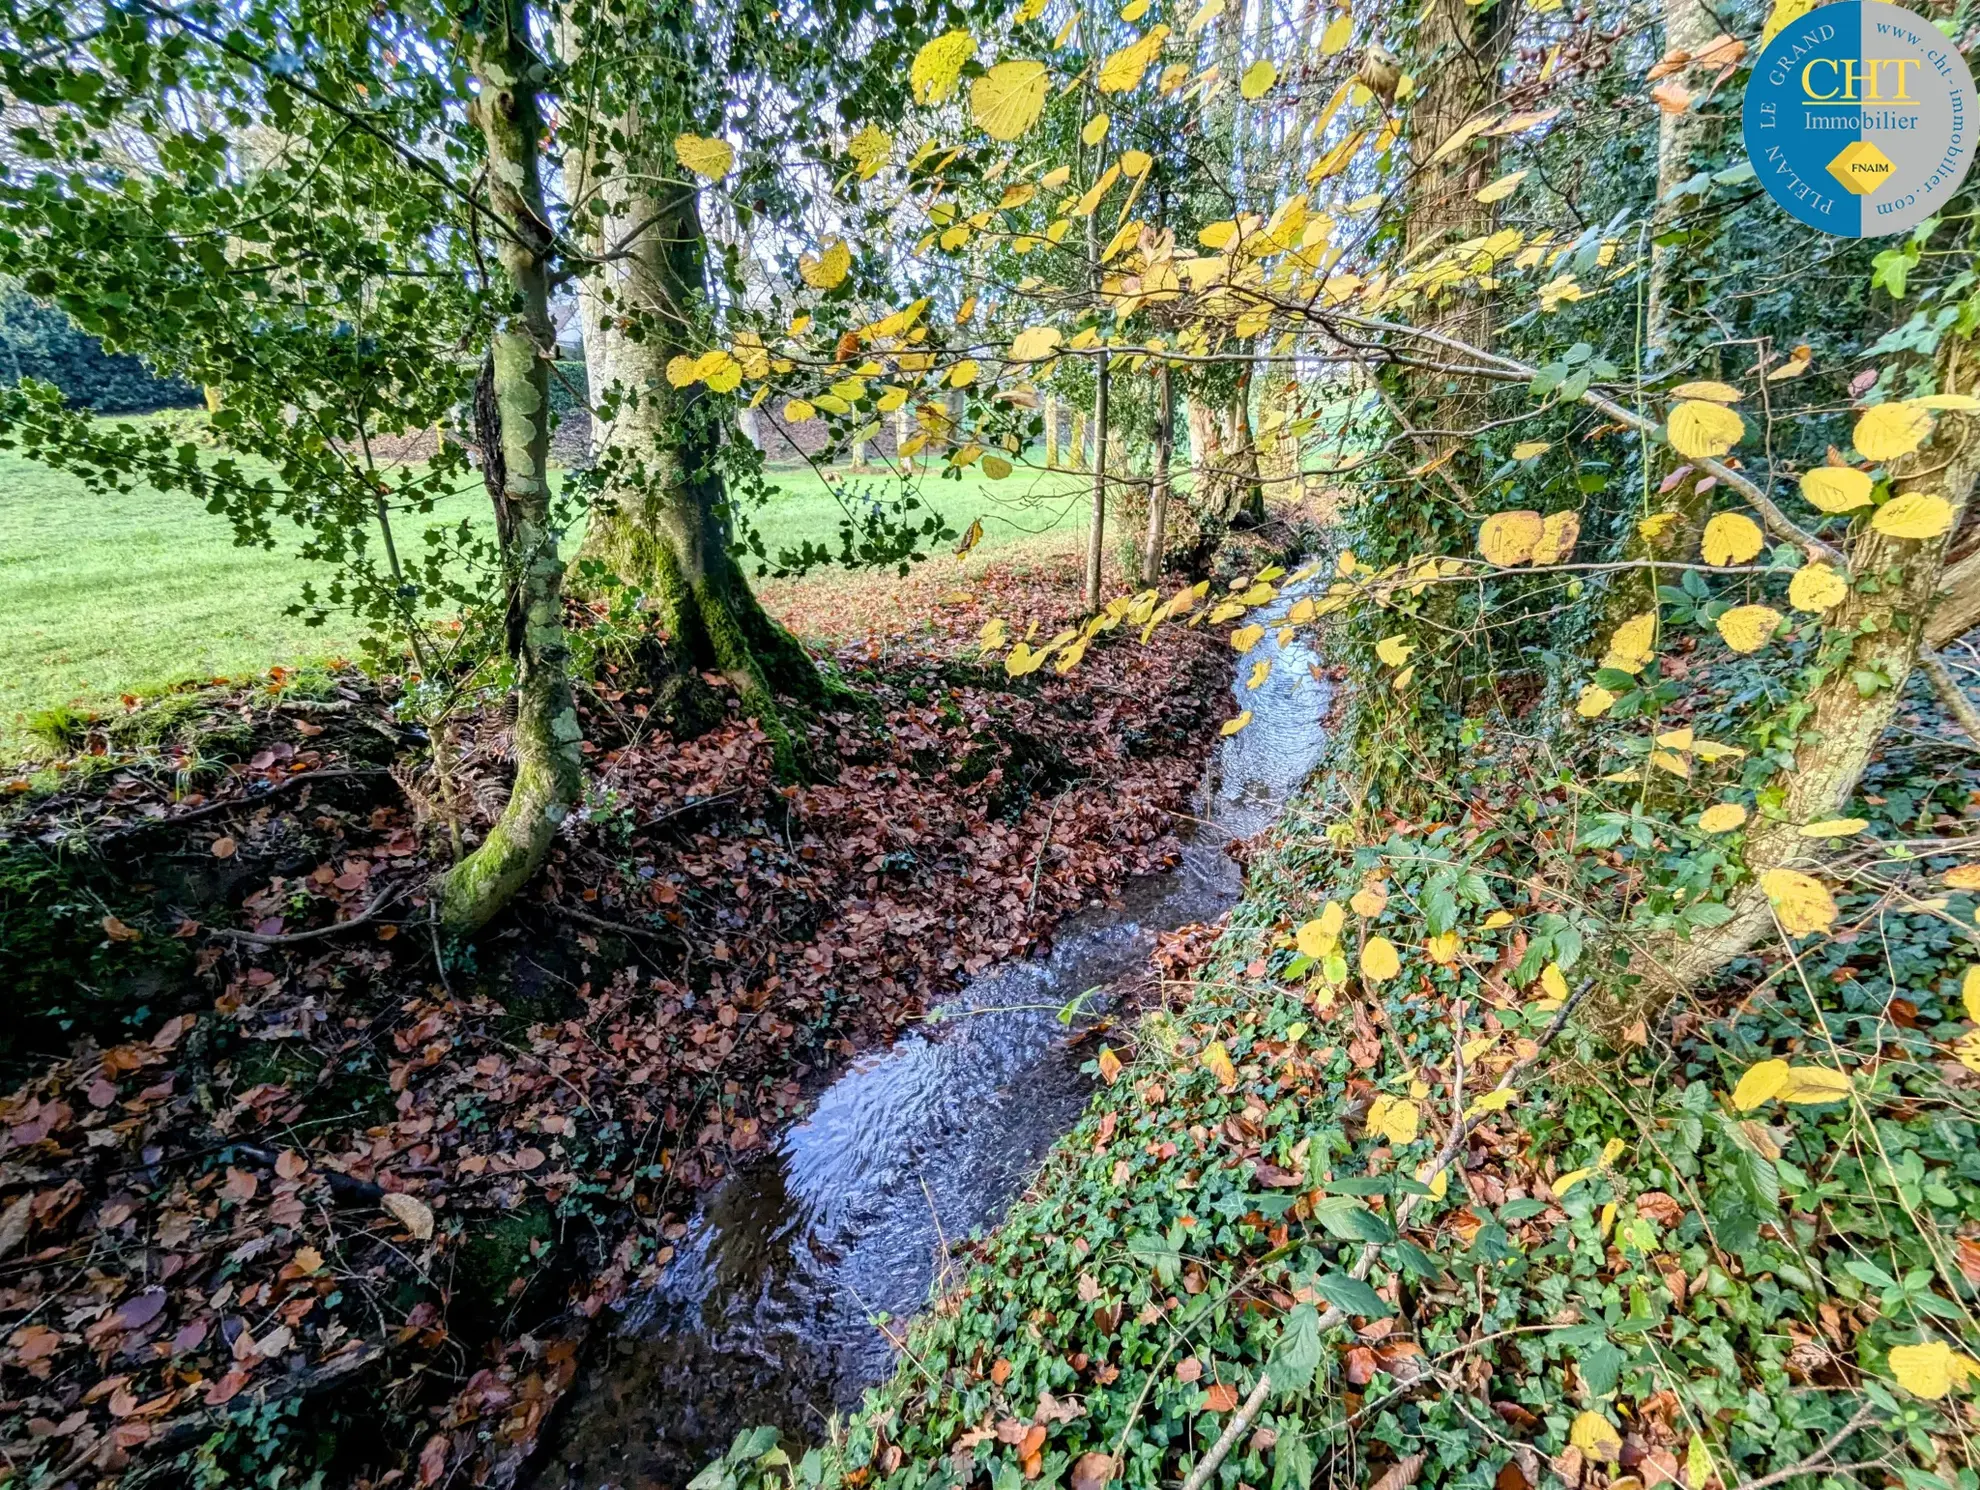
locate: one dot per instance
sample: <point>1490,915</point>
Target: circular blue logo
<point>1860,119</point>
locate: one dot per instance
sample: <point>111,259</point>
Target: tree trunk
<point>1456,51</point>
<point>1223,459</point>
<point>1097,529</point>
<point>1158,493</point>
<point>1051,432</point>
<point>1842,726</point>
<point>658,524</point>
<point>515,456</point>
<point>1687,25</point>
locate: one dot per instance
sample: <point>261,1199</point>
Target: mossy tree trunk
<point>660,523</point>
<point>1874,636</point>
<point>515,454</point>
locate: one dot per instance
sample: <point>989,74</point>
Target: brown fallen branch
<point>234,804</point>
<point>605,923</point>
<point>290,938</point>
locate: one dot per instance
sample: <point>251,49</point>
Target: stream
<point>772,1307</point>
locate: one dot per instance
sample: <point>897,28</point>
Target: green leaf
<point>1352,1295</point>
<point>1297,1352</point>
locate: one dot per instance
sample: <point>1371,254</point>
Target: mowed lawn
<point>106,595</point>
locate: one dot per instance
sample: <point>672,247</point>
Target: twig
<point>1235,1430</point>
<point>1817,1459</point>
<point>603,923</point>
<point>290,938</point>
<point>1950,693</point>
<point>231,804</point>
<point>1038,869</point>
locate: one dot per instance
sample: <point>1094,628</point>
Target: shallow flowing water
<point>772,1309</point>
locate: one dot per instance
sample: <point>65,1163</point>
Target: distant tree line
<point>39,341</point>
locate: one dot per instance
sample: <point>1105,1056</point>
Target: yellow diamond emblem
<point>1861,167</point>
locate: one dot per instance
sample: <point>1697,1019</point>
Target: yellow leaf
<point>993,635</point>
<point>938,66</point>
<point>1801,901</point>
<point>1370,900</point>
<point>963,373</point>
<point>1527,449</point>
<point>1596,1437</point>
<point>680,371</point>
<point>1835,827</point>
<point>1509,538</point>
<point>1966,1050</point>
<point>1811,1085</point>
<point>1393,1118</point>
<point>1322,935</point>
<point>796,411</point>
<point>410,1212</point>
<point>1721,817</point>
<point>1123,70</point>
<point>1657,525</point>
<point>828,270</point>
<point>1339,32</point>
<point>1595,701</point>
<point>711,159</point>
<point>1496,1100</point>
<point>1890,430</point>
<point>1711,392</point>
<point>1504,187</point>
<point>1629,647</point>
<point>1914,514</point>
<point>1613,1150</point>
<point>1748,628</point>
<point>1568,1181</point>
<point>1217,1061</point>
<point>1135,10</point>
<point>1442,948</point>
<point>1260,671</point>
<point>1929,1370</point>
<point>1553,982</point>
<point>1379,961</point>
<point>996,467</point>
<point>1437,1181</point>
<point>1836,488</point>
<point>1559,532</point>
<point>1964,877</point>
<point>1232,726</point>
<point>1759,1084</point>
<point>1394,650</point>
<point>1699,430</point>
<point>870,148</point>
<point>1498,919</point>
<point>1007,100</point>
<point>1731,538</point>
<point>1258,79</point>
<point>1095,129</point>
<point>1246,637</point>
<point>1109,1064</point>
<point>1035,343</point>
<point>1404,678</point>
<point>1816,588</point>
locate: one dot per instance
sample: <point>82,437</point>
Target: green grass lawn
<point>101,596</point>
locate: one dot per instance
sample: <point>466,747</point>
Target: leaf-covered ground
<point>281,1187</point>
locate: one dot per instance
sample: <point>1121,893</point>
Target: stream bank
<point>797,1277</point>
<point>271,1058</point>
